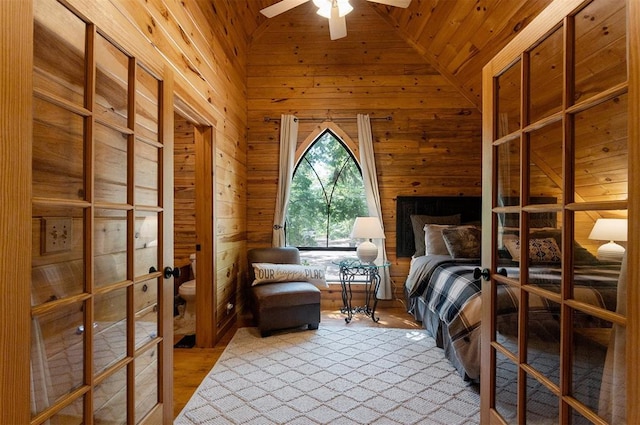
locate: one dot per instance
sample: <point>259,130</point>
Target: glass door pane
<point>112,81</point>
<point>110,247</point>
<point>57,355</point>
<point>57,53</point>
<point>110,399</point>
<point>147,391</point>
<point>147,105</point>
<point>601,154</point>
<point>509,100</point>
<point>110,329</point>
<point>545,167</point>
<point>546,77</point>
<point>601,48</point>
<point>146,253</point>
<point>507,157</point>
<point>112,147</point>
<point>58,152</point>
<point>146,173</point>
<point>57,262</point>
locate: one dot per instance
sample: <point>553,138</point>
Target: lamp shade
<point>367,228</point>
<point>609,229</point>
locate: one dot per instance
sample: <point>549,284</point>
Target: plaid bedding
<point>593,284</point>
<point>449,290</point>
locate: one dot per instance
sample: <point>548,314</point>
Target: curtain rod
<point>387,118</point>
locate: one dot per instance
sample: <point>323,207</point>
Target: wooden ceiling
<point>457,37</point>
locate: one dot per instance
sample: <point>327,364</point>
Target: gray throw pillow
<point>419,221</point>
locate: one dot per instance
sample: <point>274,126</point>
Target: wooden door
<point>557,154</point>
<point>101,306</point>
<point>208,321</point>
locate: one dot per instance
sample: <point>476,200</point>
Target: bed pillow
<point>513,246</point>
<point>272,273</point>
<point>580,254</point>
<point>544,250</point>
<point>419,221</point>
<point>462,242</point>
<point>433,240</point>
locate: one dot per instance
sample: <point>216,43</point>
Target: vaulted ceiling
<point>457,37</point>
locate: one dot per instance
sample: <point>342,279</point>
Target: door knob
<point>169,272</point>
<point>485,273</point>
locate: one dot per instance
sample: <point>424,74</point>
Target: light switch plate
<point>57,234</point>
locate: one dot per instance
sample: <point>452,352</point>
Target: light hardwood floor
<point>191,365</point>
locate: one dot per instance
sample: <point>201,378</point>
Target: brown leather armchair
<point>282,305</point>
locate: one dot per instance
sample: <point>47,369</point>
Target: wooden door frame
<point>633,247</point>
<point>16,93</point>
<point>206,305</point>
<point>204,133</point>
<point>166,296</point>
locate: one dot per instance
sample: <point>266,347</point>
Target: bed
<point>442,289</point>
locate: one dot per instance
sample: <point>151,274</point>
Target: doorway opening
<point>194,228</point>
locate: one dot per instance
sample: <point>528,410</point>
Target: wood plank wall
<point>208,57</point>
<point>432,146</point>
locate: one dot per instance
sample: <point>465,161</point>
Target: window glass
<point>327,194</point>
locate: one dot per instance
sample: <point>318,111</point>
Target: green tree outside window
<point>327,194</point>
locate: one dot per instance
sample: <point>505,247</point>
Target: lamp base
<point>610,251</point>
<point>367,252</point>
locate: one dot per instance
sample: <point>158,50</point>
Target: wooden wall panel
<point>456,38</point>
<point>430,147</point>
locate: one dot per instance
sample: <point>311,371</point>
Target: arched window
<point>327,194</point>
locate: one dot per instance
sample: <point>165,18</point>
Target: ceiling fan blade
<point>281,7</point>
<point>397,3</point>
<point>337,25</point>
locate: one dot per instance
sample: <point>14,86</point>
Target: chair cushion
<point>285,294</point>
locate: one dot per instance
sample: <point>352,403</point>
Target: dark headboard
<point>470,207</point>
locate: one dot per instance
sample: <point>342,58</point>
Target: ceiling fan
<point>334,10</point>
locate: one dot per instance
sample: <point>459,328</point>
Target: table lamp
<point>367,228</point>
<point>610,229</point>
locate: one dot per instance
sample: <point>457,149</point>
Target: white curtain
<point>288,141</point>
<point>613,395</point>
<point>368,164</point>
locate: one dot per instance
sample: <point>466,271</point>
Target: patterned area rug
<point>335,375</point>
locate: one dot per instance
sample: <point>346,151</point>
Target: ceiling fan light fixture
<point>325,7</point>
<point>344,8</point>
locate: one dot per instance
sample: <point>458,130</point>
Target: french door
<point>102,196</point>
<point>557,155</point>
